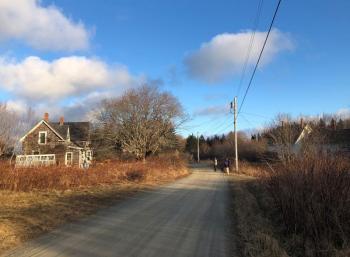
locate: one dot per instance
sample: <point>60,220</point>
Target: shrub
<point>103,173</point>
<point>312,195</point>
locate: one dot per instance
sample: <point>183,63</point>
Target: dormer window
<point>42,137</point>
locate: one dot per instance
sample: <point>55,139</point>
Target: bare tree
<point>8,129</point>
<point>282,134</point>
<point>12,126</point>
<point>141,122</point>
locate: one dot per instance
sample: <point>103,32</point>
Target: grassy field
<point>35,201</point>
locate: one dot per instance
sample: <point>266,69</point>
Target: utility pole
<point>197,147</point>
<point>235,131</point>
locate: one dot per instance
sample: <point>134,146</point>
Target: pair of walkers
<point>226,165</point>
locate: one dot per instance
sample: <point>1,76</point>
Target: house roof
<point>37,125</point>
<point>78,131</point>
<point>329,136</point>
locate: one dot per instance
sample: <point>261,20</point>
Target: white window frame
<point>42,132</point>
<point>71,160</point>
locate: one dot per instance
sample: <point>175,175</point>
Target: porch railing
<point>35,160</point>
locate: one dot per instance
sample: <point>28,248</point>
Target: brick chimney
<point>61,121</point>
<point>46,116</point>
<point>301,122</point>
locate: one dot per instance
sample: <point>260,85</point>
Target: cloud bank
<point>343,113</point>
<point>78,81</point>
<point>212,110</point>
<point>44,28</point>
<point>38,79</point>
<point>224,55</point>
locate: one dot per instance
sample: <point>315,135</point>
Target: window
<point>69,158</point>
<point>88,155</point>
<point>42,137</point>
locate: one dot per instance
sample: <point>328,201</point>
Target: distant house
<point>56,143</point>
<point>292,139</point>
<point>331,138</point>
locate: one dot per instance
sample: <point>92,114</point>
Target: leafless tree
<point>8,129</point>
<point>141,122</point>
<point>12,126</point>
<point>283,133</point>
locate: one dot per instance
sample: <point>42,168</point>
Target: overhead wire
<point>250,46</point>
<point>260,55</point>
<point>209,126</point>
<point>257,115</point>
<point>250,123</point>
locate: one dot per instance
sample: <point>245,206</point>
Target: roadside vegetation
<point>37,200</point>
<point>135,148</point>
<point>104,173</point>
<point>290,200</point>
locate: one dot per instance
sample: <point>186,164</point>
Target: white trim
<point>35,160</point>
<point>68,135</point>
<point>39,139</point>
<point>75,147</point>
<point>37,125</point>
<point>65,159</point>
<point>306,131</point>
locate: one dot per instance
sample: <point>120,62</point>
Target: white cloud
<point>41,27</point>
<point>212,110</point>
<point>17,106</point>
<point>343,113</point>
<point>38,79</point>
<point>224,55</point>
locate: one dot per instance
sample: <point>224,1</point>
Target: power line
<point>219,126</point>
<point>251,41</point>
<point>251,124</point>
<point>212,129</point>
<point>257,115</point>
<point>222,130</point>
<point>212,122</point>
<point>261,52</point>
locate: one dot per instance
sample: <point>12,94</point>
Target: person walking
<point>227,166</point>
<point>215,164</point>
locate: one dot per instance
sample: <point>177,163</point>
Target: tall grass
<point>312,195</point>
<point>108,172</point>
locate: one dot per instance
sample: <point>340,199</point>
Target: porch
<point>35,160</point>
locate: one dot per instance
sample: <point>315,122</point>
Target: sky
<point>64,56</point>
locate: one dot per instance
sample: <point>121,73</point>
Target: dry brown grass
<point>302,206</point>
<point>253,169</point>
<point>253,230</point>
<point>105,173</point>
<point>38,200</point>
<point>312,195</point>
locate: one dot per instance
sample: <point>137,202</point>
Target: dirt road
<point>186,218</point>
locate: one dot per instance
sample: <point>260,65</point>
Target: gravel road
<point>186,218</point>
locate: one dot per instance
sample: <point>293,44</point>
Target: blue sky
<point>85,50</point>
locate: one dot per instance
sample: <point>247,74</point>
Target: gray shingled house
<point>56,143</point>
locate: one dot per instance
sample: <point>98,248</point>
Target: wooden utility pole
<point>235,131</point>
<point>197,147</point>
